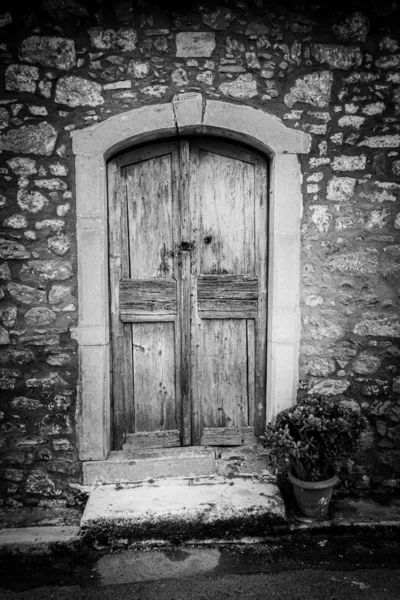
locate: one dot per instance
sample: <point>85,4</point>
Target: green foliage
<point>313,438</point>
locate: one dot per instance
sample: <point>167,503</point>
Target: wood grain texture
<point>153,439</point>
<point>154,376</point>
<point>121,334</point>
<point>228,436</point>
<point>138,296</point>
<point>149,189</point>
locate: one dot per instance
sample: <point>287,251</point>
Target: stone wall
<point>334,74</point>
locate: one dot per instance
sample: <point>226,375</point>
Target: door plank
<point>251,351</point>
<point>242,287</point>
<point>227,224</point>
<point>154,375</point>
<point>260,391</point>
<point>228,436</point>
<point>185,302</point>
<point>223,345</point>
<point>153,439</point>
<point>147,296</point>
<point>121,335</point>
<point>151,243</point>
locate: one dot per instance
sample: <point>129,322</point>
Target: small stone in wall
<point>218,19</point>
<point>22,166</point>
<point>156,91</point>
<point>179,77</point>
<point>381,141</point>
<point>53,224</point>
<point>349,163</point>
<point>388,62</point>
<point>21,78</point>
<point>26,294</point>
<point>30,139</point>
<point>58,360</point>
<point>340,189</point>
<point>194,44</point>
<point>5,272</point>
<point>4,337</point>
<point>206,77</point>
<point>59,244</point>
<point>40,484</point>
<point>321,217</point>
<point>138,69</point>
<point>9,317</point>
<point>330,387</point>
<point>63,209</point>
<point>5,19</point>
<point>51,184</point>
<point>353,29</point>
<point>58,170</point>
<point>396,168</point>
<point>46,270</point>
<point>386,325</point>
<point>363,261</point>
<point>10,250</point>
<point>337,57</point>
<point>389,44</point>
<point>15,222</point>
<point>320,367</point>
<point>59,293</point>
<point>314,89</point>
<point>39,316</point>
<point>107,39</point>
<point>375,108</point>
<point>351,121</point>
<point>31,201</point>
<point>245,86</point>
<point>77,91</point>
<point>396,385</point>
<point>49,51</point>
<point>378,218</point>
<point>24,403</point>
<point>4,118</point>
<point>366,363</point>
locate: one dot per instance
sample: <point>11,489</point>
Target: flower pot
<point>313,497</point>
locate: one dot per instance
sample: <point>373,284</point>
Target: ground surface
<point>335,566</point>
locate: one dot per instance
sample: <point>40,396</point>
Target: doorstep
<point>179,509</point>
<point>129,466</point>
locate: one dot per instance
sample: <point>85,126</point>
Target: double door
<point>187,258</point>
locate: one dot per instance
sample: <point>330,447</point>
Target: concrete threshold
<point>184,508</point>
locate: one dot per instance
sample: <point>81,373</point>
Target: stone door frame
<point>186,114</point>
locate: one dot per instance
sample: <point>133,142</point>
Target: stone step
<point>183,509</point>
<point>138,465</point>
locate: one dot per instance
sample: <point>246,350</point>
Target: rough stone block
<point>194,44</point>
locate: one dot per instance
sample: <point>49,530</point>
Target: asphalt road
<point>311,567</point>
<point>373,584</point>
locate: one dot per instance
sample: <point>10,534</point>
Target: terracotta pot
<point>313,497</point>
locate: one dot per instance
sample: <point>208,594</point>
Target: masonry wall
<point>334,74</point>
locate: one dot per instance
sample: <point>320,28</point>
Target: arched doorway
<point>188,290</point>
<point>187,114</point>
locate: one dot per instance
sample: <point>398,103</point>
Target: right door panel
<point>228,209</point>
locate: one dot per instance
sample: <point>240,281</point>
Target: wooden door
<point>187,238</point>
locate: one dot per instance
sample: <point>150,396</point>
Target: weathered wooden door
<point>187,246</point>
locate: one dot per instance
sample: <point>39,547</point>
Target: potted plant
<point>310,442</point>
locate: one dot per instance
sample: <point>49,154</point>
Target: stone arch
<point>186,114</point>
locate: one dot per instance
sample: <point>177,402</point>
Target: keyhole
<point>207,239</point>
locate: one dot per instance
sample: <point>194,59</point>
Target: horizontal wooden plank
<point>152,317</point>
<point>240,287</point>
<point>228,305</point>
<point>153,439</point>
<point>250,314</point>
<point>228,436</point>
<point>147,296</point>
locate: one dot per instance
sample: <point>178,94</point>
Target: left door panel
<point>144,229</point>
